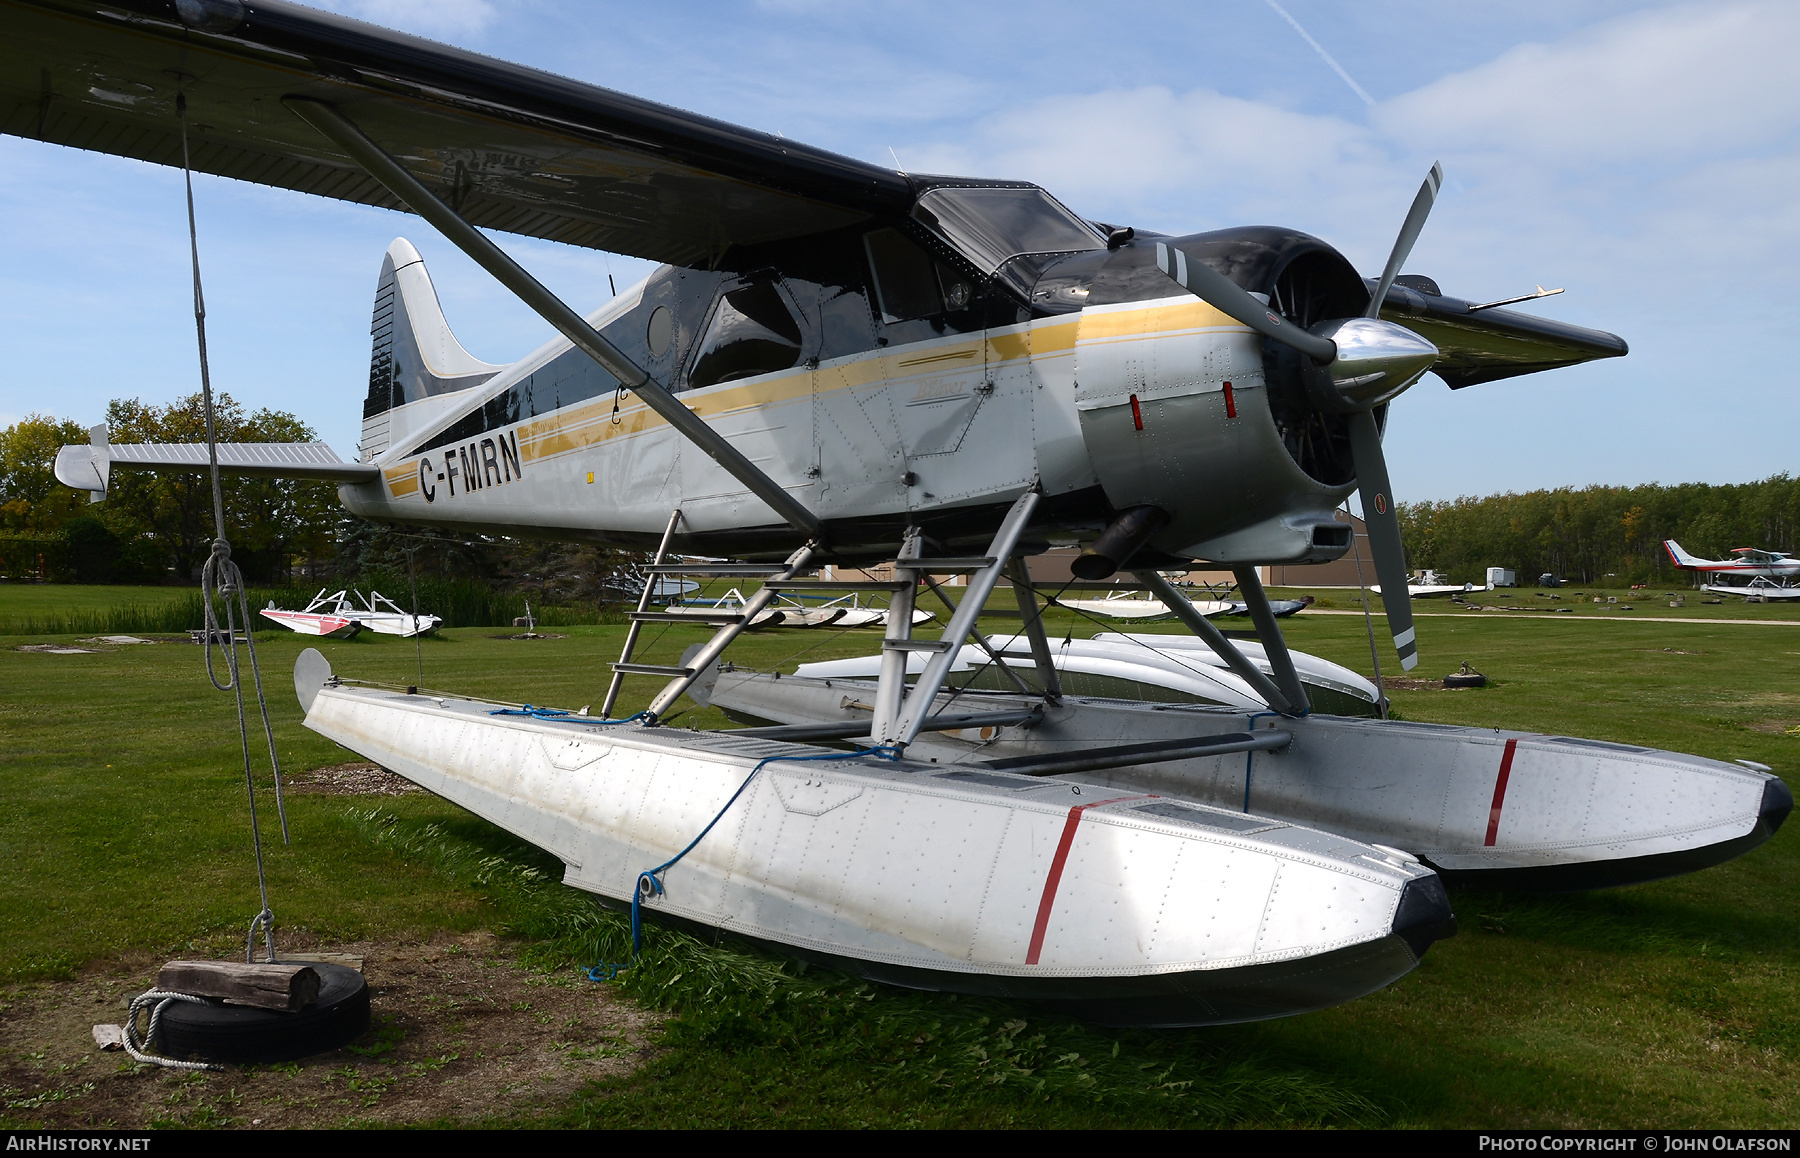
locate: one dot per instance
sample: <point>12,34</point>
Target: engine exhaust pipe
<point>1130,530</point>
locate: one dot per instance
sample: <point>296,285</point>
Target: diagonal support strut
<point>1201,626</point>
<point>338,129</point>
<point>900,728</point>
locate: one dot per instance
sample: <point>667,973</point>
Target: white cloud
<point>1693,80</point>
<point>1142,151</point>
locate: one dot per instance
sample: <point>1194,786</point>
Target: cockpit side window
<point>904,284</point>
<point>752,332</point>
<point>908,283</point>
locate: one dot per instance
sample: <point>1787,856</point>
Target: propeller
<point>1355,365</point>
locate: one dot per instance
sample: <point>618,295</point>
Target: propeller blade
<point>1384,533</point>
<point>1409,233</point>
<point>1226,296</point>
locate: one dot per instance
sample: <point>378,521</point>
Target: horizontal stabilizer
<point>89,468</point>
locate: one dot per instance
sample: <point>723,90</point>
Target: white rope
<point>220,577</point>
<point>160,999</point>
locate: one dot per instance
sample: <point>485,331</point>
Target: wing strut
<point>341,132</point>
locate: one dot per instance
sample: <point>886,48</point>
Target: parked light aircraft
<point>1429,586</point>
<point>1754,574</point>
<point>841,364</point>
<point>1750,563</point>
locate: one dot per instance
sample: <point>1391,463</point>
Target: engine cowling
<point>1187,411</point>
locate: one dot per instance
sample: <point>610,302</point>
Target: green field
<point>42,600</point>
<point>1670,1004</point>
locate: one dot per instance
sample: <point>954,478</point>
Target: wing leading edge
<point>509,147</point>
<point>1482,345</point>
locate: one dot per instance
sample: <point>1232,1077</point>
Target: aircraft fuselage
<point>1114,389</point>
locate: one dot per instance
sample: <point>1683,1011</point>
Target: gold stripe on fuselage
<point>582,426</point>
<point>402,480</point>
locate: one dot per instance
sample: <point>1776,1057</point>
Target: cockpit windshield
<point>991,226</point>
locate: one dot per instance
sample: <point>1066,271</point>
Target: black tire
<point>1471,680</point>
<point>217,1032</point>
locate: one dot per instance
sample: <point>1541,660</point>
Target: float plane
<point>1764,574</point>
<point>838,365</point>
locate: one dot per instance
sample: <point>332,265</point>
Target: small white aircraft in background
<point>337,615</point>
<point>327,615</point>
<point>1769,574</point>
<point>1429,586</point>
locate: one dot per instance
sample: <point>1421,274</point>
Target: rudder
<point>415,357</point>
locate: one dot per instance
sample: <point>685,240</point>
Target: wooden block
<point>279,986</point>
<point>351,960</point>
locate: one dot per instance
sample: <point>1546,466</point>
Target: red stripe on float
<point>1137,416</point>
<point>1230,402</point>
<point>1048,900</point>
<point>1500,793</point>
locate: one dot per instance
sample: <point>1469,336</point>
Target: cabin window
<point>752,332</point>
<point>992,226</point>
<point>905,285</point>
<point>570,378</point>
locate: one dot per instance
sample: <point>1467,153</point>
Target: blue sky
<point>1642,155</point>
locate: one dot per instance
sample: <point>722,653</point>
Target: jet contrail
<point>1326,56</point>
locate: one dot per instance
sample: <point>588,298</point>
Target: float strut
<point>1197,623</point>
<point>1274,646</point>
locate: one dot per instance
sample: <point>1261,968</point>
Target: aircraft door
<point>748,377</point>
<point>861,463</point>
<point>983,442</point>
<point>936,370</point>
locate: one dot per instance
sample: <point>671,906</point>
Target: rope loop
<point>265,921</point>
<point>157,1000</point>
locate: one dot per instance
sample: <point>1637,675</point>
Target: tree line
<point>157,528</point>
<point>1599,534</point>
<point>154,528</point>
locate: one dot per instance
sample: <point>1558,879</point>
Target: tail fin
<point>1681,558</point>
<point>416,357</point>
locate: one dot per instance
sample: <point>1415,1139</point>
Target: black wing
<point>1483,345</point>
<point>509,147</point>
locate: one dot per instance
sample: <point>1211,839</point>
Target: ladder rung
<point>655,669</point>
<point>914,645</point>
<point>719,569</point>
<point>839,585</point>
<point>960,564</point>
<point>683,617</point>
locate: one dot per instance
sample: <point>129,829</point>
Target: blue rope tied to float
<point>559,714</point>
<point>649,882</point>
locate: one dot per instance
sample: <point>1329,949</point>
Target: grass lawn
<point>43,600</point>
<point>1671,1004</point>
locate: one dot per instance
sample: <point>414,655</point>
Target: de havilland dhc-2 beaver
<point>842,365</point>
